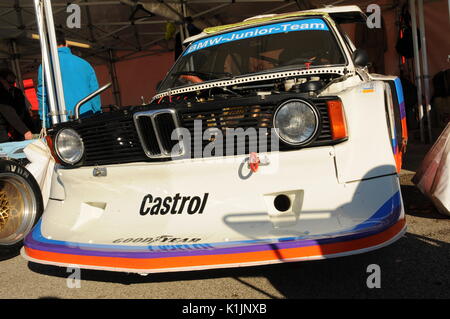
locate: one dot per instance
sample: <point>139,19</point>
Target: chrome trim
<point>89,97</point>
<point>56,147</point>
<point>100,172</point>
<point>153,114</point>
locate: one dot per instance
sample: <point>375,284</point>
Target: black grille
<point>325,132</point>
<point>148,137</point>
<point>113,138</point>
<point>110,140</point>
<point>245,117</point>
<point>230,117</point>
<point>165,125</point>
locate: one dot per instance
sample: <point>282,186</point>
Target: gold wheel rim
<point>17,208</point>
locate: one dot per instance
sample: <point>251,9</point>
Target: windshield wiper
<point>282,68</point>
<point>216,75</point>
<point>295,66</point>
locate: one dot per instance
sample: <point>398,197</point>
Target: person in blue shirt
<point>78,79</point>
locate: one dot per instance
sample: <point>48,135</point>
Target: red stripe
<point>238,258</point>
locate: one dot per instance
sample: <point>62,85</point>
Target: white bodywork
<point>348,190</point>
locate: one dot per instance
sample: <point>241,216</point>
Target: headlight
<point>296,122</point>
<point>69,146</point>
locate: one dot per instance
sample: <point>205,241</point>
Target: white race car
<point>267,142</point>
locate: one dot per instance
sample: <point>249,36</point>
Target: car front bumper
<point>111,222</point>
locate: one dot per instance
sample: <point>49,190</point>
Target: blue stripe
<point>400,97</point>
<point>264,30</point>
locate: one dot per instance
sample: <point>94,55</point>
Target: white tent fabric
<point>433,176</point>
<point>41,166</point>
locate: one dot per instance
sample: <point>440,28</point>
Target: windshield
<point>303,43</point>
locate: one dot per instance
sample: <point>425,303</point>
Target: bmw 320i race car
<point>267,142</point>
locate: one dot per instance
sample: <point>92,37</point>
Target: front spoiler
<point>154,259</point>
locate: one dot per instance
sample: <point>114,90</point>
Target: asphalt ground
<point>415,266</point>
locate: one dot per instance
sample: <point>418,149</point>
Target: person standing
<point>9,119</point>
<point>78,80</point>
<point>16,119</point>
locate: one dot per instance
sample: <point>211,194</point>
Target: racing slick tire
<point>21,205</point>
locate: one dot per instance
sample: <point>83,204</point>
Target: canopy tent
<point>122,25</point>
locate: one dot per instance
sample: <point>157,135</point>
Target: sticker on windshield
<point>283,27</point>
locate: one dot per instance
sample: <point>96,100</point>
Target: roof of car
<point>339,14</point>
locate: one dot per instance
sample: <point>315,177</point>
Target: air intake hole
<point>282,203</point>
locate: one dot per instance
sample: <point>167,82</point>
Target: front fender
<point>368,151</point>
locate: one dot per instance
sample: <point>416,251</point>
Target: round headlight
<point>296,122</point>
<point>69,146</point>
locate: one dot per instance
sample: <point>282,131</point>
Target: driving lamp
<point>69,146</point>
<point>296,122</point>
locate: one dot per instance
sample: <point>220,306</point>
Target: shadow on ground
<point>6,253</point>
<point>417,204</point>
<point>413,267</point>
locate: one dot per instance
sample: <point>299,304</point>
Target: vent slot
<point>148,136</point>
<point>155,129</point>
<point>165,125</point>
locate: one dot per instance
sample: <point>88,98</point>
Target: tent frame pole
<point>113,74</point>
<point>426,74</point>
<point>15,61</point>
<point>412,9</point>
<point>47,73</point>
<point>54,58</point>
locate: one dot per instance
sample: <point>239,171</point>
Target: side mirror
<point>360,58</point>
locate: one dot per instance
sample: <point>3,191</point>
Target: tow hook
<point>255,159</point>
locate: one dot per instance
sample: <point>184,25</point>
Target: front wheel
<point>21,204</point>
